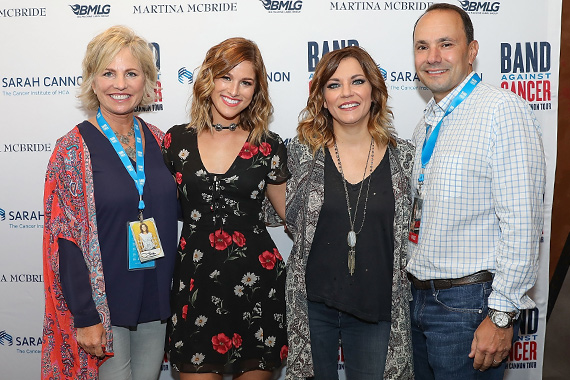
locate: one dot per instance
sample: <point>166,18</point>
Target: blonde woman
<point>105,312</point>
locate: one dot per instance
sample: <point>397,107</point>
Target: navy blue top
<point>136,296</point>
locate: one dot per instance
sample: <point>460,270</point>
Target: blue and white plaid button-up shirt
<point>483,194</point>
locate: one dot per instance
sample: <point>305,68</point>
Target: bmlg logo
<point>5,338</point>
<point>480,6</point>
<point>289,6</point>
<point>91,10</point>
<point>185,75</point>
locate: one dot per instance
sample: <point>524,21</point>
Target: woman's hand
<point>92,339</point>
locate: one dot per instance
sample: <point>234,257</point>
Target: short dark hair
<point>467,24</point>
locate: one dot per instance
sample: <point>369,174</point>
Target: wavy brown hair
<point>221,59</point>
<point>102,50</point>
<point>315,127</point>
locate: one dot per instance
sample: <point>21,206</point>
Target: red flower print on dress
<point>167,140</point>
<point>236,340</point>
<point>248,151</point>
<point>184,311</point>
<point>191,284</point>
<point>182,243</point>
<point>220,240</point>
<point>284,352</point>
<point>178,178</point>
<point>277,254</point>
<point>265,149</point>
<point>267,260</point>
<point>238,238</point>
<point>221,343</point>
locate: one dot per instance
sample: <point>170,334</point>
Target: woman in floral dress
<point>228,288</point>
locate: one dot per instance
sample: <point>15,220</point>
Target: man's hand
<point>491,345</point>
<point>92,339</point>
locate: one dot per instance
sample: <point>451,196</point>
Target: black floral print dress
<point>228,297</point>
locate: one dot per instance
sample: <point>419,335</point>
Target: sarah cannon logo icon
<point>185,75</point>
<point>5,338</point>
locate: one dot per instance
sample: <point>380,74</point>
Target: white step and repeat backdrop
<point>42,44</point>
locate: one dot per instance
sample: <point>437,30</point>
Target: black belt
<point>475,278</point>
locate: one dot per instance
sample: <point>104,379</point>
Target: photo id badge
<point>415,220</point>
<point>133,252</point>
<point>147,241</point>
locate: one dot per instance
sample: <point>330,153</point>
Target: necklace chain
<point>351,237</point>
<point>125,140</point>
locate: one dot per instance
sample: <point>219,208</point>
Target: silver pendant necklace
<point>351,236</point>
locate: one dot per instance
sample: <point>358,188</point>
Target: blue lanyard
<point>429,143</point>
<point>138,176</point>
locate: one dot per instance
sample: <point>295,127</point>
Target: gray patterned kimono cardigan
<point>305,197</point>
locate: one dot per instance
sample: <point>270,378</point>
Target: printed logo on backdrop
<point>157,105</point>
<point>185,76</point>
<point>21,278</point>
<point>395,80</point>
<point>481,7</point>
<point>184,8</point>
<point>280,6</point>
<point>88,11</point>
<point>523,353</point>
<point>380,5</point>
<point>44,86</point>
<point>22,219</point>
<point>316,50</point>
<point>278,76</point>
<point>525,70</point>
<point>5,338</point>
<point>402,80</point>
<point>23,12</point>
<point>21,344</point>
<point>25,147</point>
<point>165,367</point>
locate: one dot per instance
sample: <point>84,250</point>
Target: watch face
<point>500,319</point>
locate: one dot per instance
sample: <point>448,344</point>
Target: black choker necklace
<point>219,127</point>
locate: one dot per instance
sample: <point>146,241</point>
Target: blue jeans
<point>443,324</point>
<point>365,345</point>
<point>138,353</point>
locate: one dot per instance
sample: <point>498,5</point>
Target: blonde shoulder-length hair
<point>315,127</point>
<point>102,50</point>
<point>221,59</point>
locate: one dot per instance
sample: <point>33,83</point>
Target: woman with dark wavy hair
<point>348,204</point>
<point>228,293</point>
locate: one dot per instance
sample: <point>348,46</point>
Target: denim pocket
<point>464,299</point>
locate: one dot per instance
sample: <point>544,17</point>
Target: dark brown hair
<point>316,128</point>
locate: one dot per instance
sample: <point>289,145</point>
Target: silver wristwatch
<point>502,319</point>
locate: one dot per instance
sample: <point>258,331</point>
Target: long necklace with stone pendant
<point>351,236</point>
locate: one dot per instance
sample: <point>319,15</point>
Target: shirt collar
<point>435,111</point>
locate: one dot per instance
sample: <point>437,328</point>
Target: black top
<point>367,294</point>
<point>133,296</point>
